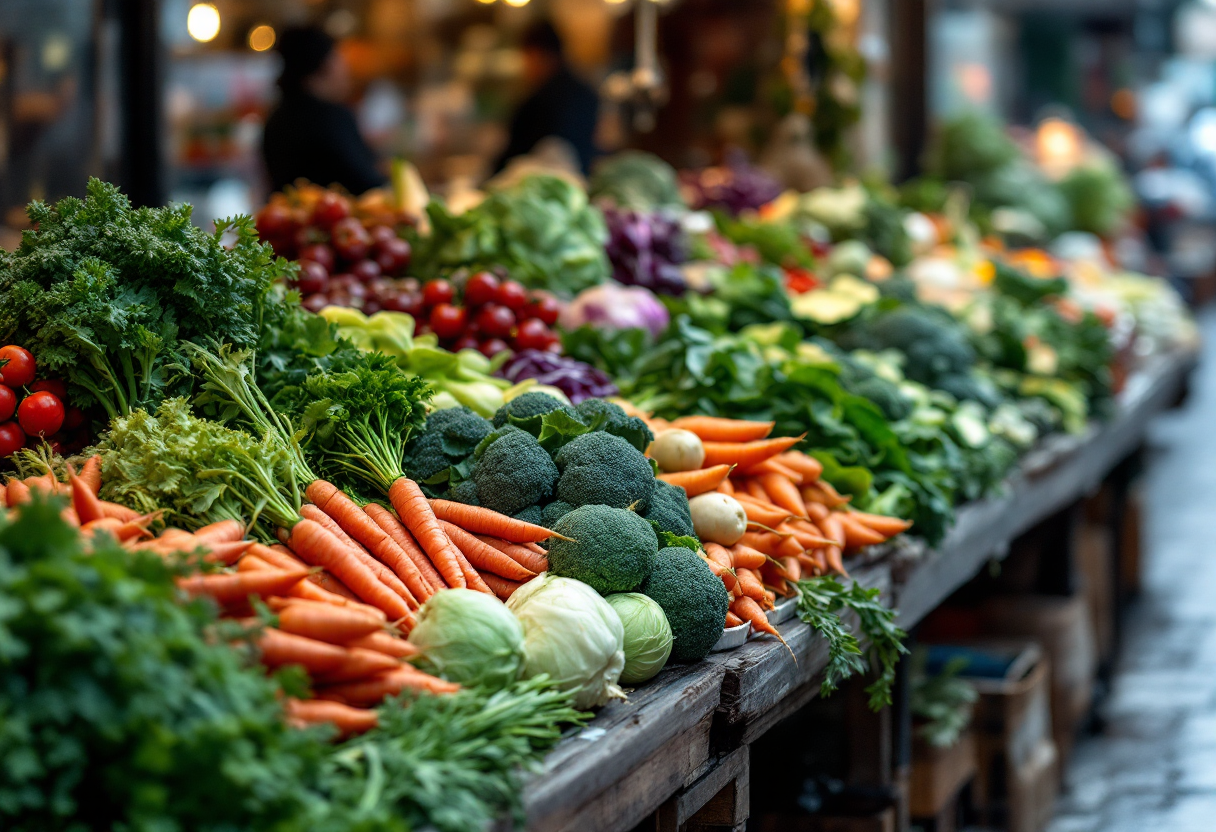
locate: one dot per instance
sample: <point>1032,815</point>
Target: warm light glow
<point>975,80</point>
<point>614,2</point>
<point>203,22</point>
<point>1123,104</point>
<point>261,38</point>
<point>486,2</point>
<point>1058,146</point>
<point>517,3</point>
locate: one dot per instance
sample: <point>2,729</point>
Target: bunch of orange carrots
<point>340,604</point>
<point>798,525</point>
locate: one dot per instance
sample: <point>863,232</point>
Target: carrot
<point>346,719</point>
<point>46,483</point>
<point>417,515</point>
<point>783,493</point>
<point>485,521</point>
<point>90,472</point>
<point>791,568</point>
<point>810,468</point>
<point>721,572</point>
<point>320,586</point>
<point>121,512</point>
<point>326,622</point>
<point>388,521</point>
<point>717,429</point>
<point>747,609</point>
<point>822,492</point>
<point>726,487</point>
<point>385,575</point>
<point>234,587</point>
<point>282,602</point>
<point>772,466</point>
<point>766,542</point>
<point>224,531</point>
<point>536,547</point>
<point>357,664</point>
<point>88,507</point>
<point>315,513</point>
<point>485,557</point>
<point>314,545</point>
<point>226,553</point>
<point>386,644</point>
<point>355,522</point>
<point>278,648</point>
<point>749,583</point>
<point>721,556</point>
<point>764,513</point>
<point>816,511</point>
<point>790,547</point>
<point>700,481</point>
<point>374,690</point>
<point>857,534</point>
<point>471,576</point>
<point>809,539</point>
<point>732,620</point>
<point>502,587</point>
<point>834,558</point>
<point>18,493</point>
<point>279,556</point>
<point>522,555</point>
<point>747,454</point>
<point>755,490</point>
<point>69,516</point>
<point>884,525</point>
<point>745,557</point>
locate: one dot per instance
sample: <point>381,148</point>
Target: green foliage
<point>513,472</point>
<point>637,181</point>
<point>610,549</point>
<point>600,468</point>
<point>105,294</point>
<point>942,703</point>
<point>447,442</point>
<point>1099,197</point>
<point>693,599</point>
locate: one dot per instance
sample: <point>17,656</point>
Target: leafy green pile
<point>104,295</point>
<point>542,230</point>
<point>121,709</point>
<point>636,181</point>
<point>941,703</point>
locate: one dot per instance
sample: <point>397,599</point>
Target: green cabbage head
<point>469,637</point>
<point>648,636</point>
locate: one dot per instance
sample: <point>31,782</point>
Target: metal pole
<point>143,175</point>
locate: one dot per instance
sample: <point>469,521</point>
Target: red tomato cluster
<point>493,315</point>
<point>38,406</point>
<point>347,257</point>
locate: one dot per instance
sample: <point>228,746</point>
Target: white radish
<point>678,450</point>
<point>718,518</point>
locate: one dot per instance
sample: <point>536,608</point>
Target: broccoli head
<point>600,414</point>
<point>693,599</point>
<point>603,469</point>
<point>893,404</point>
<point>449,438</point>
<point>935,344</point>
<point>532,514</point>
<point>609,549</point>
<point>971,386</point>
<point>463,492</point>
<point>527,406</point>
<point>555,511</point>
<point>513,472</point>
<point>669,508</point>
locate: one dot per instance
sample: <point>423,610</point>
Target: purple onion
<point>645,249</point>
<point>575,378</point>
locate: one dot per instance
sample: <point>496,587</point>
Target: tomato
<point>543,306</point>
<point>275,220</point>
<point>513,295</point>
<point>41,413</point>
<point>12,437</point>
<point>495,321</point>
<point>407,302</point>
<point>315,303</point>
<point>350,239</point>
<point>381,234</point>
<point>330,209</point>
<point>318,253</point>
<point>480,289</point>
<point>436,292</point>
<point>532,335</point>
<point>312,277</point>
<point>393,256</point>
<point>73,419</point>
<point>19,371</point>
<point>8,403</point>
<point>493,347</point>
<point>366,270</point>
<point>50,385</point>
<point>447,321</point>
<point>468,341</point>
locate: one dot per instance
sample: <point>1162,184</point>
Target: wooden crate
<point>1032,790</point>
<point>939,774</point>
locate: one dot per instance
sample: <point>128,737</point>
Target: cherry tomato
<point>319,253</point>
<point>12,438</point>
<point>513,295</point>
<point>436,292</point>
<point>51,385</point>
<point>315,303</point>
<point>532,335</point>
<point>447,321</point>
<point>545,307</point>
<point>275,220</point>
<point>41,413</point>
<point>8,403</point>
<point>330,209</point>
<point>495,321</point>
<point>554,345</point>
<point>366,270</point>
<point>312,277</point>
<point>407,302</point>
<point>393,255</point>
<point>73,419</point>
<point>480,289</point>
<point>371,306</point>
<point>381,234</point>
<point>493,347</point>
<point>468,341</point>
<point>350,239</point>
<point>19,371</point>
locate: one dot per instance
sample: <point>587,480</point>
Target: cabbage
<point>610,306</point>
<point>469,637</point>
<point>573,636</point>
<point>647,635</point>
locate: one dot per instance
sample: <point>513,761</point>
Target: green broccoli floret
<point>599,468</point>
<point>935,344</point>
<point>449,438</point>
<point>555,511</point>
<point>693,599</point>
<point>514,472</point>
<point>669,508</point>
<point>893,404</point>
<point>463,492</point>
<point>609,549</point>
<point>532,514</point>
<point>527,406</point>
<point>971,386</point>
<point>600,414</point>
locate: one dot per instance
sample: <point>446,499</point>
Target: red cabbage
<point>575,378</point>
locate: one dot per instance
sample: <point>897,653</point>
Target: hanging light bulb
<point>261,37</point>
<point>203,22</point>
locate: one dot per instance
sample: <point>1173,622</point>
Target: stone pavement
<point>1153,767</point>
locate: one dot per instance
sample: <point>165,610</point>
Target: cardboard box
<point>938,774</point>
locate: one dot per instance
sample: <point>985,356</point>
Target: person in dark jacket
<point>561,104</point>
<point>311,133</point>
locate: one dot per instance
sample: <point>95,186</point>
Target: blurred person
<point>560,104</point>
<point>312,133</point>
